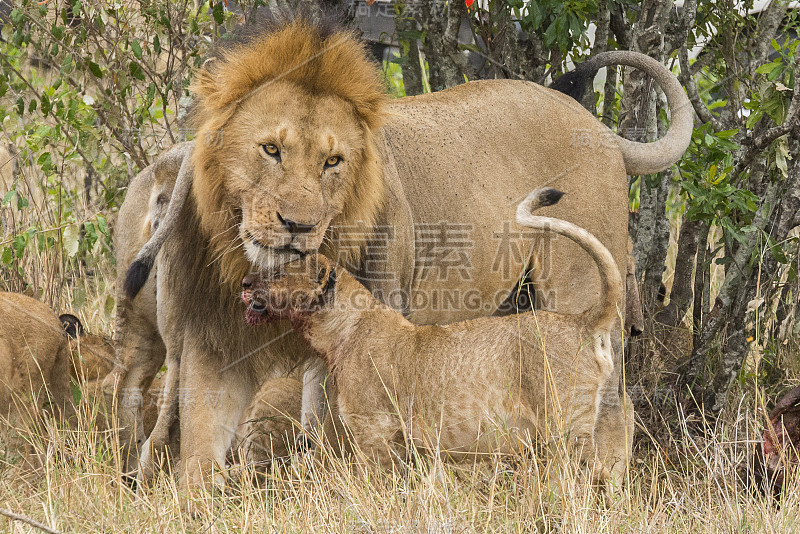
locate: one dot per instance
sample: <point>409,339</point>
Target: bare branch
<point>28,520</point>
<point>688,83</point>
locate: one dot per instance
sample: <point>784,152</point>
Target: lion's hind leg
<point>162,434</point>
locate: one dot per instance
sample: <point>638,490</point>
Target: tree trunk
<point>701,279</point>
<point>638,120</point>
<point>440,23</point>
<point>680,297</point>
<point>408,34</point>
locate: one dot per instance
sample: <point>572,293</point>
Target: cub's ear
<point>72,325</point>
<point>326,275</point>
<point>330,284</point>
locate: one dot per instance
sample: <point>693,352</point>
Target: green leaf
<point>774,74</point>
<point>94,68</point>
<point>102,225</point>
<point>7,256</point>
<point>219,13</point>
<point>135,70</point>
<point>156,45</point>
<point>753,119</point>
<point>45,104</point>
<point>766,68</point>
<point>19,244</point>
<point>137,50</point>
<point>45,160</point>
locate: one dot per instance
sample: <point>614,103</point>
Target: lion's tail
<point>640,158</point>
<point>605,312</point>
<point>140,269</point>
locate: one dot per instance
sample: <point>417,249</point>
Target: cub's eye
<point>272,150</point>
<point>332,161</point>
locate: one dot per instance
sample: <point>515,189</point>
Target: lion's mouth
<point>288,248</point>
<point>256,313</point>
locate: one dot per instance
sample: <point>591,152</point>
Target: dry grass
<point>688,484</point>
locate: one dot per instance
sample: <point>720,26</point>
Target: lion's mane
<point>319,61</point>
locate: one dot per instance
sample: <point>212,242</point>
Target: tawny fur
<point>435,158</point>
<point>34,360</point>
<point>92,356</point>
<point>269,428</point>
<point>473,387</point>
<point>140,349</point>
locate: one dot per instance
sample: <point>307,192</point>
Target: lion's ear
<point>72,325</point>
<point>205,84</point>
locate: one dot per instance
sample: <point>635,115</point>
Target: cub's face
<point>290,163</point>
<point>299,288</point>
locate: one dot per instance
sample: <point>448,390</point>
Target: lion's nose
<point>296,227</point>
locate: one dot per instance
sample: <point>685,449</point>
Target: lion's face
<point>289,162</point>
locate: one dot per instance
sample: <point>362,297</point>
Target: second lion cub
<point>473,387</point>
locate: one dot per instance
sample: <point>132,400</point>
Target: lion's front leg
<point>315,405</point>
<point>211,404</point>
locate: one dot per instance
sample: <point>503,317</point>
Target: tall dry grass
<point>689,483</point>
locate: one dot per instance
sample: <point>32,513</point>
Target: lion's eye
<point>272,150</point>
<point>332,161</point>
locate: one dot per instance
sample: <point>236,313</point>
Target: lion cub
<point>34,359</point>
<point>473,387</point>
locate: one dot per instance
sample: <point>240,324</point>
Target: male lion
<point>513,374</point>
<point>300,150</point>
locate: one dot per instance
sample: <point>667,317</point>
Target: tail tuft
<point>535,200</point>
<point>548,197</point>
<point>137,276</point>
<point>575,82</point>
